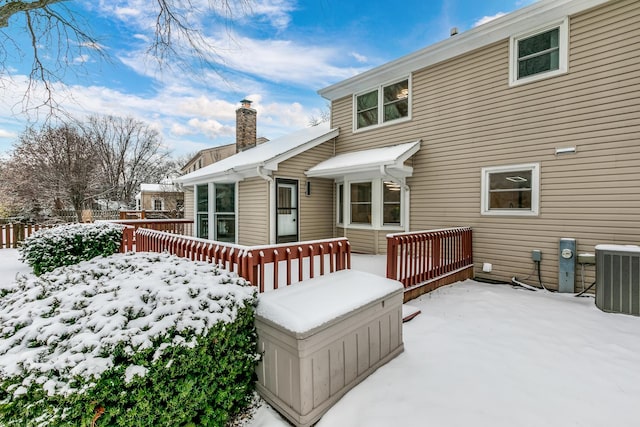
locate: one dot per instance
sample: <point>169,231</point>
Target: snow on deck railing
<point>266,267</point>
<point>419,256</point>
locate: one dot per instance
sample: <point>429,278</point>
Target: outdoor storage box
<point>321,337</point>
<point>618,279</point>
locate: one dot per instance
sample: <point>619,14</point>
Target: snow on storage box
<point>321,337</point>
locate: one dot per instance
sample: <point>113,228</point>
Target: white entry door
<point>286,210</point>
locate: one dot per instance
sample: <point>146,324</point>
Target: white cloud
<point>212,128</point>
<point>7,134</point>
<point>358,57</point>
<point>486,19</point>
<point>286,60</point>
<point>81,59</point>
<point>126,12</point>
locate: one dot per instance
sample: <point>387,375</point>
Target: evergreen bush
<point>128,340</point>
<point>51,248</point>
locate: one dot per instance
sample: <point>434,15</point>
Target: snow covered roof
<point>158,188</point>
<point>246,163</point>
<point>366,161</point>
<point>529,18</point>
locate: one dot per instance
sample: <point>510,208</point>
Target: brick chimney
<point>245,126</point>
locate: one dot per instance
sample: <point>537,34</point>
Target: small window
<point>510,190</point>
<point>539,55</point>
<point>391,193</point>
<point>361,203</point>
<point>202,211</point>
<point>157,205</point>
<point>382,105</point>
<point>367,107</point>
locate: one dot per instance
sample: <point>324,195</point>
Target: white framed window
<point>388,103</point>
<point>511,190</point>
<point>360,202</point>
<point>539,54</point>
<point>225,212</point>
<point>391,203</point>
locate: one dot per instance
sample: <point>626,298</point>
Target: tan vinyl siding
<point>188,203</point>
<point>315,220</point>
<point>362,241</point>
<point>253,212</point>
<point>469,118</point>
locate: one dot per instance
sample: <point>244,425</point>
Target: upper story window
<point>511,190</point>
<point>382,105</point>
<point>539,54</point>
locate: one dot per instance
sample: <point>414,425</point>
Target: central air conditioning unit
<point>618,279</point>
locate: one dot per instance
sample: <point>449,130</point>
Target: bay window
<point>373,204</point>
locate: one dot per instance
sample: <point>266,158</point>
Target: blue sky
<point>278,54</point>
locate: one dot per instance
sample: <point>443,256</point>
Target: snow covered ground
<point>490,355</point>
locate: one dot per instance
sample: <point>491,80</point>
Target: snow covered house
<point>524,128</point>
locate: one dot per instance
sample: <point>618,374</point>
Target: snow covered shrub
<point>127,340</point>
<point>51,248</point>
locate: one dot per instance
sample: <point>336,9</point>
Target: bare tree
<point>49,28</point>
<point>53,167</point>
<point>129,152</point>
<point>325,116</point>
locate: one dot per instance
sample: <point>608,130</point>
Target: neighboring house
<point>525,128</point>
<point>165,197</point>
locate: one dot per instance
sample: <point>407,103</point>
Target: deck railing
<point>420,256</point>
<point>266,267</point>
<point>173,226</point>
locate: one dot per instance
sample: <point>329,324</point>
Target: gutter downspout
<point>272,205</point>
<point>407,194</point>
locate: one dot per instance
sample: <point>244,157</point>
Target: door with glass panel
<point>286,210</point>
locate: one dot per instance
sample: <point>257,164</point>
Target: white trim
<point>235,211</point>
<point>533,16</point>
<point>338,206</point>
<point>211,229</point>
<point>563,54</point>
<point>380,89</point>
<point>535,190</point>
<point>272,209</point>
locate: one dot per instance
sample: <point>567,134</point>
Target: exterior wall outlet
<point>487,267</point>
<point>536,255</point>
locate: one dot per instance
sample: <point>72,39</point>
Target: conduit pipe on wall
<point>407,194</point>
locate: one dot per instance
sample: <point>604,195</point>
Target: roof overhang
<point>375,162</point>
<point>528,18</point>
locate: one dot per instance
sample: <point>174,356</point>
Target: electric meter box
<point>567,265</point>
